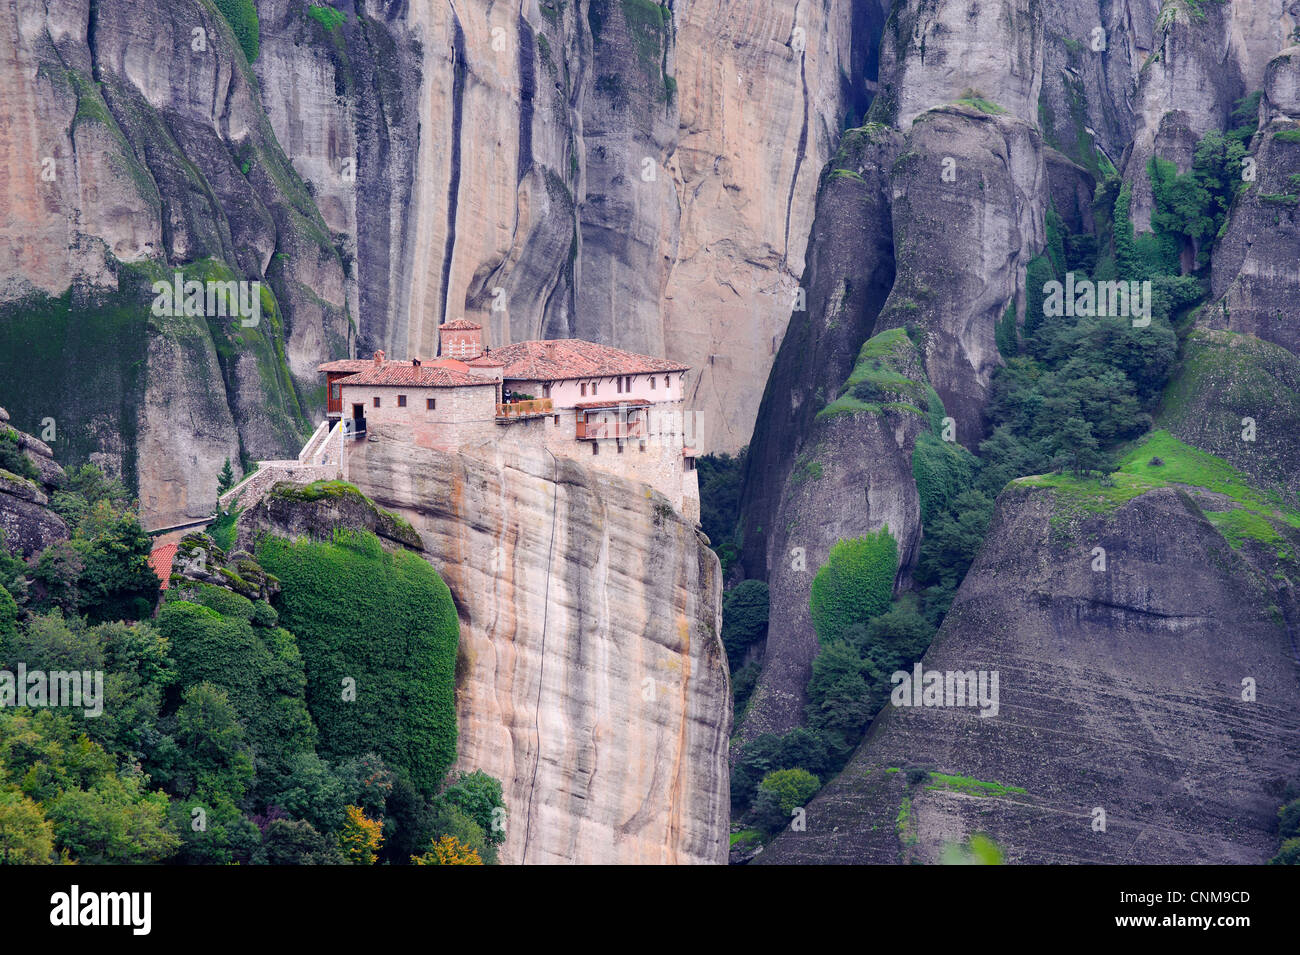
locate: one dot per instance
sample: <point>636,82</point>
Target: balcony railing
<point>598,430</point>
<point>535,408</point>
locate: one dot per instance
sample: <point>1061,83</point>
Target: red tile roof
<point>485,361</point>
<point>160,559</point>
<point>353,365</point>
<point>455,364</point>
<point>613,403</point>
<point>461,325</point>
<point>566,358</point>
<point>395,375</point>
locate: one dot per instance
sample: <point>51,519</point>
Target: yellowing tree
<point>448,851</point>
<point>361,837</point>
<point>26,836</point>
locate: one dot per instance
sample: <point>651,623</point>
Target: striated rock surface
<point>849,273</point>
<point>1092,58</point>
<point>630,173</point>
<point>1119,690</point>
<point>593,681</point>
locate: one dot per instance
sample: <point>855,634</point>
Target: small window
<point>546,390</point>
<point>376,401</point>
<point>690,464</point>
<point>652,383</point>
<point>557,421</point>
<point>430,404</point>
<point>641,446</point>
<point>629,382</point>
<point>595,448</point>
<point>620,386</point>
<point>620,447</point>
<point>584,389</point>
<point>401,401</point>
<point>335,392</point>
<point>595,387</point>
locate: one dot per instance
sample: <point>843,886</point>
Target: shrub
<point>478,795</point>
<point>855,584</point>
<point>383,623</point>
<point>12,458</point>
<point>327,17</point>
<point>787,790</point>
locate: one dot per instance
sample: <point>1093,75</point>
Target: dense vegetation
<point>214,745</point>
<point>720,478</point>
<point>384,625</point>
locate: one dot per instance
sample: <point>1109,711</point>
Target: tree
<point>26,836</point>
<point>216,759</point>
<point>1076,449</point>
<point>1288,853</point>
<point>478,795</point>
<point>295,842</point>
<point>744,618</point>
<point>780,793</point>
<point>361,837</point>
<point>839,697</point>
<point>117,582</point>
<point>448,851</point>
<point>226,479</point>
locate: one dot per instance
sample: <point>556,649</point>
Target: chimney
<point>460,339</point>
<point>379,359</point>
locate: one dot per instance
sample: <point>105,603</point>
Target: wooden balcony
<point>514,410</point>
<point>599,430</point>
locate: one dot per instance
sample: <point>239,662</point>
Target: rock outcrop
<point>969,200</point>
<point>1206,57</point>
<point>853,476</point>
<point>27,524</point>
<point>937,51</point>
<point>1123,690</point>
<point>1256,266</point>
<point>594,682</point>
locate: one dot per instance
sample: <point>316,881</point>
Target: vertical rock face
<point>624,172</point>
<point>593,680</point>
<point>936,51</point>
<point>849,273</point>
<point>1206,57</point>
<point>1092,58</point>
<point>1256,266</point>
<point>344,103</point>
<point>1120,690</point>
<point>968,207</point>
<point>143,149</point>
